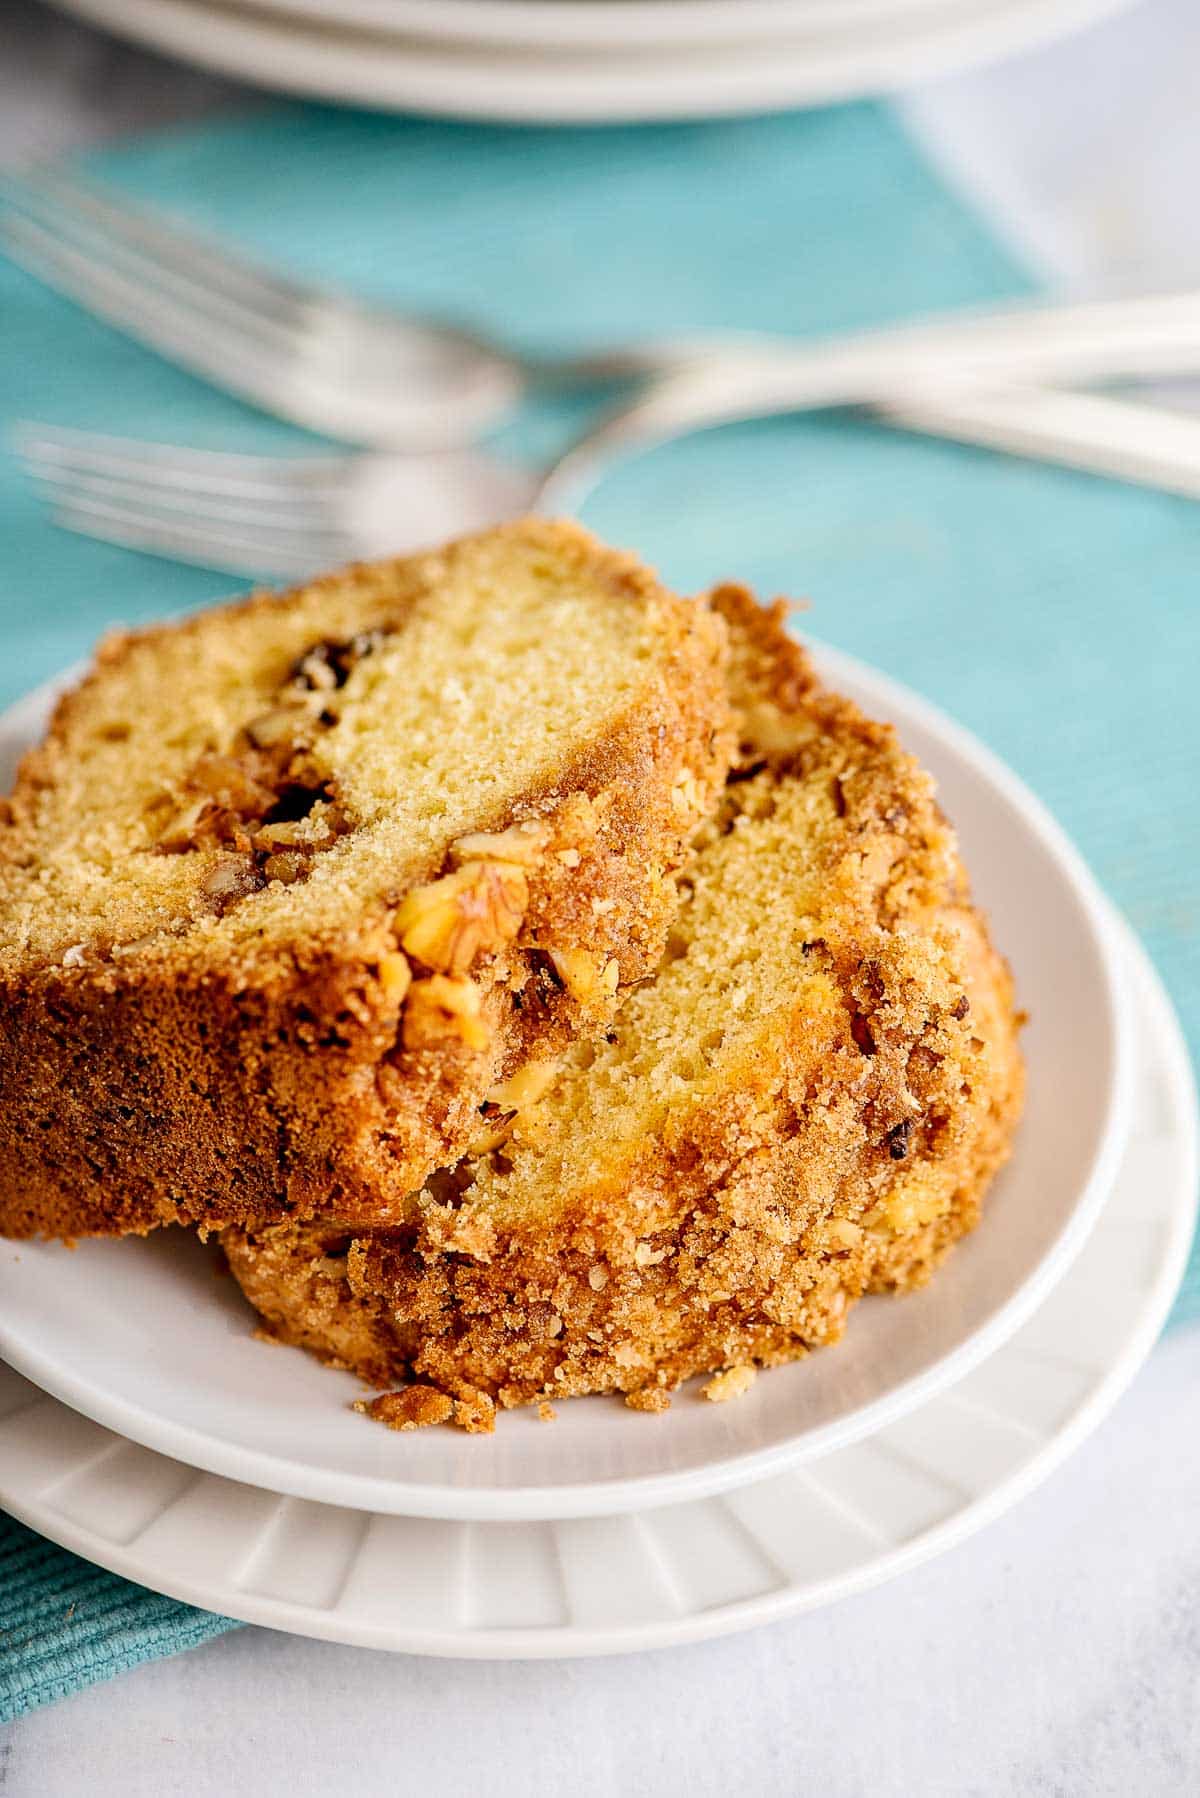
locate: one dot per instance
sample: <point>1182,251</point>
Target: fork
<point>313,355</point>
<point>274,516</point>
<point>367,375</point>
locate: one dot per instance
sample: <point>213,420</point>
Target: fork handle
<point>1125,439</point>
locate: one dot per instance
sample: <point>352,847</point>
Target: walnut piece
<point>395,975</point>
<point>231,878</point>
<point>524,844</point>
<point>507,1100</point>
<point>288,866</point>
<point>588,977</point>
<point>282,724</point>
<point>180,830</point>
<point>441,1009</point>
<point>525,1087</point>
<point>476,909</point>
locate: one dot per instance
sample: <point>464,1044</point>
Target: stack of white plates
<point>589,60</point>
<point>143,1426</point>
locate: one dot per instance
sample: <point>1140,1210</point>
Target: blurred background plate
<point>531,83</point>
<point>609,25</point>
<point>142,1335</point>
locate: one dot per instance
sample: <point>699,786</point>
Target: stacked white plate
<point>589,60</point>
<point>142,1425</point>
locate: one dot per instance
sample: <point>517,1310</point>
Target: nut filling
<point>266,802</point>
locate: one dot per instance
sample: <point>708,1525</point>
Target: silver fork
<point>274,516</point>
<point>264,515</point>
<point>367,375</point>
<point>310,354</point>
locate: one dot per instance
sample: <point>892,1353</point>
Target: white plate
<point>524,83</point>
<point>605,25</point>
<point>610,1585</point>
<point>143,1337</point>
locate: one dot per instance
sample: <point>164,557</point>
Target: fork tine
<point>166,327</point>
<point>256,554</point>
<point>272,370</point>
<point>209,259</point>
<point>167,486</point>
<point>219,510</point>
<point>199,295</point>
<point>56,452</point>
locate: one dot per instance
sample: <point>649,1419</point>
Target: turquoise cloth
<point>1054,613</point>
<point>65,1624</point>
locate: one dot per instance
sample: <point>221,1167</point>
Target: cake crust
<point>186,1054</point>
<point>846,1145</point>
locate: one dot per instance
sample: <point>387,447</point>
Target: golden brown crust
<point>847,1146</point>
<point>215,1073</point>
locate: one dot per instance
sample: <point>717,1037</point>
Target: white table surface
<point>1055,1656</point>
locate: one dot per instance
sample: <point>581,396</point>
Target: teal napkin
<point>65,1624</point>
<point>1054,613</point>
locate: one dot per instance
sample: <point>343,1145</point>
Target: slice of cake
<point>806,1103</point>
<point>293,885</point>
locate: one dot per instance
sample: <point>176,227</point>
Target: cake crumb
<point>731,1382</point>
<point>649,1398</point>
<point>476,1413</point>
<point>546,1412</point>
<point>412,1408</point>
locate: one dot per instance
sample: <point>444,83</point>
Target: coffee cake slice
<point>291,886</point>
<point>807,1103</point>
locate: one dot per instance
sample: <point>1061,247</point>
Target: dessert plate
<point>785,1544</point>
<point>143,1335</point>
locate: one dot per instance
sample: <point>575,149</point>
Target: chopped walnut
<point>315,671</point>
<point>588,977</point>
<point>282,724</point>
<point>491,1138</point>
<point>478,908</point>
<point>330,664</point>
<point>232,783</point>
<point>320,827</point>
<point>507,1099</point>
<point>523,844</point>
<point>288,866</point>
<point>395,975</point>
<point>181,830</point>
<point>439,1009</point>
<point>525,1087</point>
<point>231,878</point>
